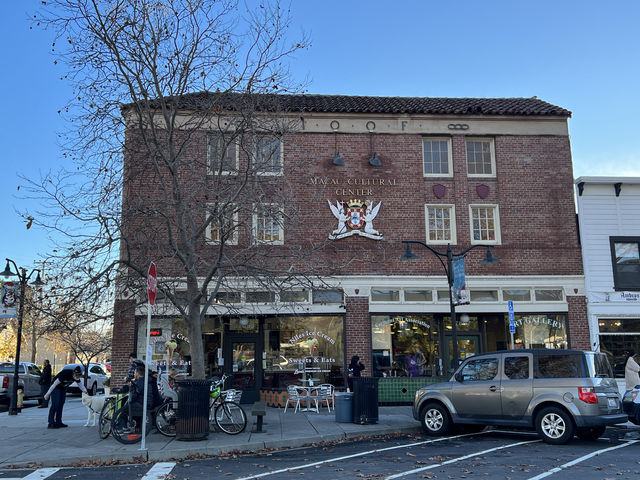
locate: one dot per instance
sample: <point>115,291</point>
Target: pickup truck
<point>28,377</point>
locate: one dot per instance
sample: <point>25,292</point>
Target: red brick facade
<point>532,188</point>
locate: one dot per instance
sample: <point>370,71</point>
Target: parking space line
<point>581,459</point>
<point>159,471</point>
<point>458,459</point>
<point>355,455</point>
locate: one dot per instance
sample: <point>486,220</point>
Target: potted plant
<point>107,386</point>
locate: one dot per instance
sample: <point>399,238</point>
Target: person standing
<point>45,383</point>
<point>632,371</point>
<point>58,393</point>
<point>354,369</point>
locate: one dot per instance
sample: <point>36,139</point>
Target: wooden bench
<point>258,410</point>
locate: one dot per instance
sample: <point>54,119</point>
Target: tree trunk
<point>195,337</point>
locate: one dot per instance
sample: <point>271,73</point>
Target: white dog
<point>94,407</point>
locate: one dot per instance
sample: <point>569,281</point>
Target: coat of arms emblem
<point>352,216</point>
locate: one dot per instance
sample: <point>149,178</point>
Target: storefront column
<point>123,343</point>
<point>357,332</point>
<point>579,337</point>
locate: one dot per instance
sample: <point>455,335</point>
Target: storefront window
<point>303,348</point>
<point>549,295</point>
<point>405,346</point>
<point>540,331</point>
<point>380,295</point>
<point>294,296</point>
<point>417,295</point>
<point>172,348</point>
<point>516,295</point>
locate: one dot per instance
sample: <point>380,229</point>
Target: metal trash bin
<point>343,407</point>
<point>365,400</point>
<point>192,419</point>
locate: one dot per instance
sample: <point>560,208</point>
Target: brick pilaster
<point>357,332</point>
<point>124,326</point>
<point>578,327</point>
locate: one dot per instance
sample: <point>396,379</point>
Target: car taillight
<point>5,382</point>
<point>587,394</point>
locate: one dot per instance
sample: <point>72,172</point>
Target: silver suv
<point>557,392</point>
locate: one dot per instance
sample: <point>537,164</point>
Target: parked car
<point>557,392</point>
<point>631,405</point>
<point>96,379</point>
<point>107,366</point>
<point>28,378</point>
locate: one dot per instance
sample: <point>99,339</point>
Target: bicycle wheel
<point>104,421</point>
<point>166,419</point>
<point>230,418</point>
<point>125,429</point>
<point>213,404</point>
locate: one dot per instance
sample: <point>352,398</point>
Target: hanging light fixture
<point>337,158</point>
<point>374,160</point>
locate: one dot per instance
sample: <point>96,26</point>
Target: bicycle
<point>225,414</point>
<point>111,405</point>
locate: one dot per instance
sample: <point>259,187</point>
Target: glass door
<point>467,345</point>
<point>242,362</point>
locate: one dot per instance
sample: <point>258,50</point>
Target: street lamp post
<point>23,279</point>
<point>448,269</point>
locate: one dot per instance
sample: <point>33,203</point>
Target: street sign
<point>152,283</point>
<point>512,321</point>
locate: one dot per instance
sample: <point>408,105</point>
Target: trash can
<point>343,407</point>
<point>192,419</point>
<point>365,400</point>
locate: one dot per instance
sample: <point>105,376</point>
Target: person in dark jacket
<point>58,393</point>
<point>45,383</point>
<point>354,369</point>
<point>135,363</point>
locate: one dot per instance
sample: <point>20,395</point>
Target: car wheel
<point>435,419</point>
<point>94,389</point>
<point>554,426</point>
<point>590,433</point>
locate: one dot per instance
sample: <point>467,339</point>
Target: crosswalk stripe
<point>39,474</point>
<point>159,471</point>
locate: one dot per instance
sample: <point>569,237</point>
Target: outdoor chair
<point>293,397</point>
<point>326,394</point>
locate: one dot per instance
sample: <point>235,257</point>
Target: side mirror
<point>458,377</point>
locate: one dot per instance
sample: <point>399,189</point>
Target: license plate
<point>613,403</point>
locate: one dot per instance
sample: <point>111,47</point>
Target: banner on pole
<point>8,299</point>
<point>459,294</point>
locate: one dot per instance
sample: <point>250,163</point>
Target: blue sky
<point>575,54</point>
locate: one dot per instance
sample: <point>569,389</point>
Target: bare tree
<point>163,173</point>
<point>86,344</point>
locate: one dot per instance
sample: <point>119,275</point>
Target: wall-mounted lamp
<point>464,319</point>
<point>337,158</point>
<point>374,160</point>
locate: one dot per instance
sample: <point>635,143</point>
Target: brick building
<point>369,173</point>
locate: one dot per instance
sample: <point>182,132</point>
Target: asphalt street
<point>489,454</point>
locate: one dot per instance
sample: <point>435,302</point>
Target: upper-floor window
<point>436,157</point>
<point>268,155</point>
<point>221,154</point>
<point>441,224</point>
<point>267,224</point>
<point>223,225</point>
<point>625,259</point>
<point>485,224</point>
<point>481,159</point>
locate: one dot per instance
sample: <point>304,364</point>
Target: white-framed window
<point>385,295</point>
<point>222,154</point>
<point>437,160</point>
<point>223,225</point>
<point>267,224</point>
<point>484,224</point>
<point>481,158</point>
<point>268,155</point>
<point>440,221</point>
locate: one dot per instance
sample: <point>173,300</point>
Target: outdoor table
<point>308,396</point>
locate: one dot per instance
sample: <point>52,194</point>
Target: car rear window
<point>598,365</point>
<point>566,365</point>
<point>7,367</point>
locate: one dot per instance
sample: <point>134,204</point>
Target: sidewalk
<point>25,439</point>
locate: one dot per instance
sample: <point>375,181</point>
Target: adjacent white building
<point>609,223</point>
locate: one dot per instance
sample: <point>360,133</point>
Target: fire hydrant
<point>20,399</point>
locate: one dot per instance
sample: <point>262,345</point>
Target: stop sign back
<point>152,283</point>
